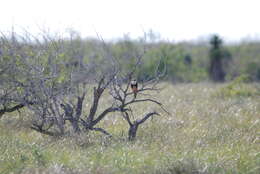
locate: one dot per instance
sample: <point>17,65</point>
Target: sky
<point>175,20</point>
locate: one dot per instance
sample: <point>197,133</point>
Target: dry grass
<point>204,134</point>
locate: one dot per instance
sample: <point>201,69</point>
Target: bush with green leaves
<point>239,87</point>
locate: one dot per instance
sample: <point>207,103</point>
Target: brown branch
<point>79,106</point>
<point>40,130</point>
<point>138,122</point>
<point>103,114</point>
<point>96,95</point>
<point>102,131</point>
<point>127,118</point>
<point>12,109</point>
<point>143,100</point>
<point>150,100</point>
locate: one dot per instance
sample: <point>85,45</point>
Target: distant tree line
<point>185,61</point>
<point>194,62</point>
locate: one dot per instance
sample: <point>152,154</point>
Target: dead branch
<point>40,130</point>
<point>97,92</point>
<point>138,122</point>
<point>102,131</point>
<point>11,109</point>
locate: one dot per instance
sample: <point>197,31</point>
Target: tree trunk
<point>132,132</point>
<point>216,70</point>
<point>75,126</point>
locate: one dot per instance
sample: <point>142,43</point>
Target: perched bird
<point>134,87</point>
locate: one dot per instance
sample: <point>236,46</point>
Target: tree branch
<point>127,118</point>
<point>96,94</point>
<point>143,100</point>
<point>79,106</point>
<point>12,109</point>
<point>138,122</point>
<point>102,131</point>
<point>104,113</point>
<point>40,130</point>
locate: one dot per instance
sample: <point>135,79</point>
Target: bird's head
<point>133,82</point>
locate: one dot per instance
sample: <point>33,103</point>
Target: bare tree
<point>125,98</point>
<point>51,78</point>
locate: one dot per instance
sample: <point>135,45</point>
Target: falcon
<point>134,87</point>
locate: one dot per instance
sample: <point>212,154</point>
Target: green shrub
<point>238,88</point>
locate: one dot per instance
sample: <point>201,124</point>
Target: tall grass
<point>204,133</point>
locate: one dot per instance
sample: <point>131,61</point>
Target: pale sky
<point>175,20</point>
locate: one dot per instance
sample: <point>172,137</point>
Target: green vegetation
<point>190,62</point>
<point>204,134</point>
<point>66,106</point>
<point>239,88</point>
<point>186,61</point>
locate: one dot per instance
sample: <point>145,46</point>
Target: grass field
<point>206,132</point>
